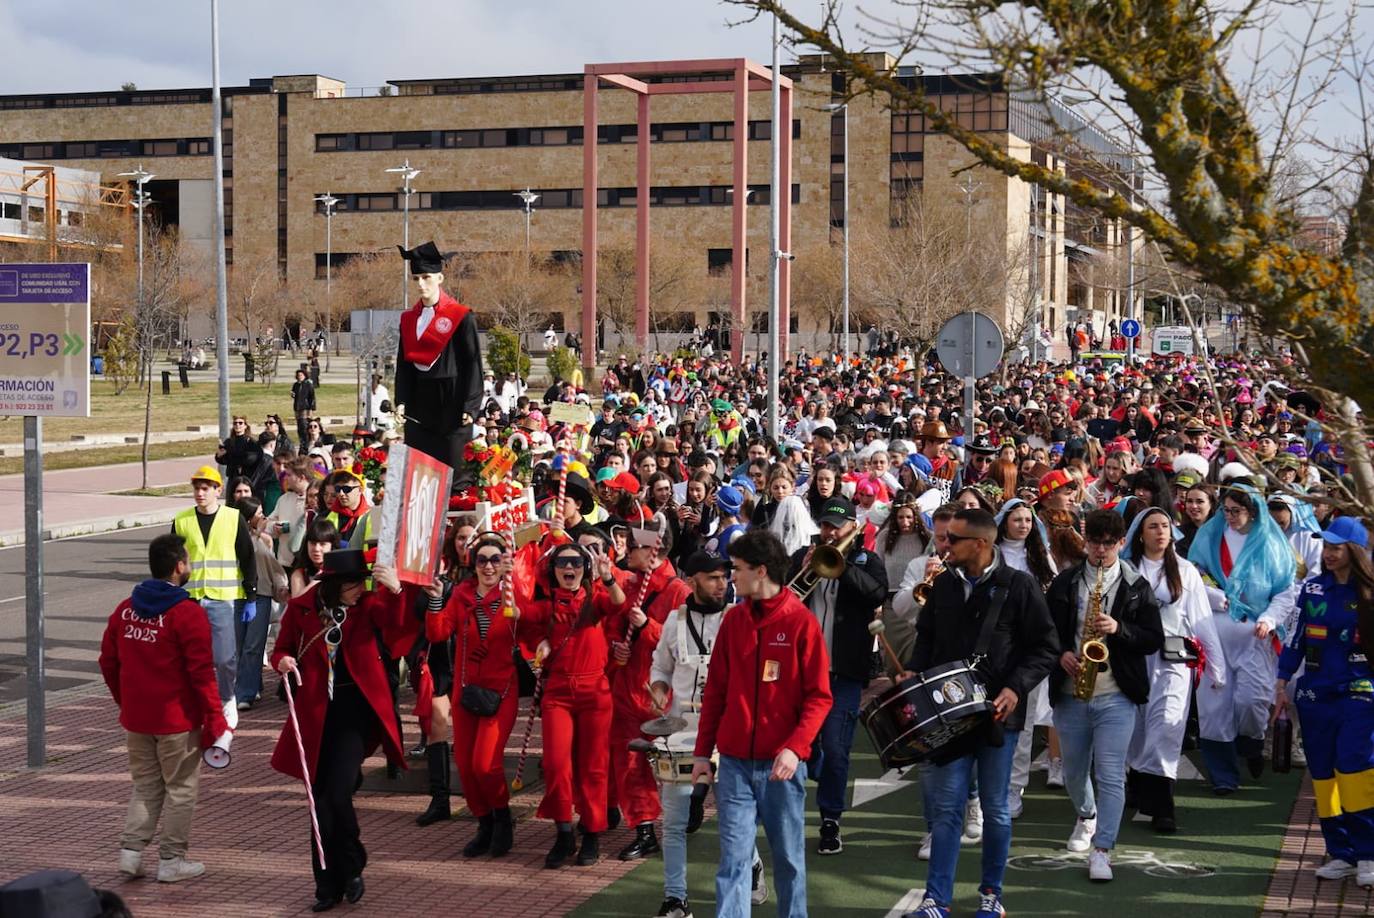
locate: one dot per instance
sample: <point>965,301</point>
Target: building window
<point>376,141</point>
<point>325,143</point>
<point>159,148</point>
<point>718,261</point>
<point>9,210</point>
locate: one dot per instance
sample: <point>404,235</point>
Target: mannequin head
<point>429,284</point>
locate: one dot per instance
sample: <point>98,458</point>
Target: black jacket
<point>863,587</point>
<point>1140,634</point>
<point>1023,647</point>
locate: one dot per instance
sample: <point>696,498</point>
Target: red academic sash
<point>425,349</point>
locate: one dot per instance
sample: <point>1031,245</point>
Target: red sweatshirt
<point>632,701</point>
<point>160,669</point>
<point>768,687</point>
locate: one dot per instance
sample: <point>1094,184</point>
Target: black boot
<point>590,852</point>
<point>1163,820</point>
<point>563,847</point>
<point>481,844</point>
<point>440,766</point>
<point>644,843</point>
<point>612,818</point>
<point>502,833</point>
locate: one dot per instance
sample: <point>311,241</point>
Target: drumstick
<point>876,628</point>
<point>305,769</point>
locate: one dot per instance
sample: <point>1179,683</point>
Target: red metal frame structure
<point>747,77</point>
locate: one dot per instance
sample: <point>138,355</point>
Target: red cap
<point>1053,482</point>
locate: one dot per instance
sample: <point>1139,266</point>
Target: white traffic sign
<point>45,347</point>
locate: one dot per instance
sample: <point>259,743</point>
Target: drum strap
<point>997,595</point>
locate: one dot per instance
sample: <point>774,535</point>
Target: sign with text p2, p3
<point>45,340</point>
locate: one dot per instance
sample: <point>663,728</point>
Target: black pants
<point>350,729</point>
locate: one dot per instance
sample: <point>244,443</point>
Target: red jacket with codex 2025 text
<point>768,686</point>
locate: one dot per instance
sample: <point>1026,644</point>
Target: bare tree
<point>818,289</point>
<point>516,293</point>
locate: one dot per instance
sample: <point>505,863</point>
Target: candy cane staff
<point>343,710</point>
<point>567,621</point>
<point>485,693</point>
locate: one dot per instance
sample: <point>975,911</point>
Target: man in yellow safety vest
<point>224,573</point>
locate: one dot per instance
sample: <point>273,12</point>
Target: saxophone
<point>1092,653</point>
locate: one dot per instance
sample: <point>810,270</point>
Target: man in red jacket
<point>157,661</point>
<point>767,694</point>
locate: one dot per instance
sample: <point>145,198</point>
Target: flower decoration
<point>370,465</point>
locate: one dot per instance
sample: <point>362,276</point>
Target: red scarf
<point>424,349</point>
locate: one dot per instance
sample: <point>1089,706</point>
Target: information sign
<point>45,354</point>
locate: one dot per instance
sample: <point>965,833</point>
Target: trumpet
<point>922,590</point>
<point>827,563</point>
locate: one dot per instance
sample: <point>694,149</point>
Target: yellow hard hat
<point>207,473</point>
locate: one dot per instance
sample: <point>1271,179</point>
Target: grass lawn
<point>113,455</point>
<point>123,414</point>
<point>1218,864</point>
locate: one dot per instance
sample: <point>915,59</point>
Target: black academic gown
<point>435,399</point>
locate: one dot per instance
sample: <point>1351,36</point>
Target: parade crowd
<point>1119,561</point>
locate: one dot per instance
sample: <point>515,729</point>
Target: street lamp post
<point>140,201</point>
<point>328,201</point>
<point>143,323</point>
<point>527,198</point>
<point>843,107</point>
<point>407,174</point>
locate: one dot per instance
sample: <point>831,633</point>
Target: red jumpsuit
<point>576,710</point>
<point>633,787</point>
<point>479,743</point>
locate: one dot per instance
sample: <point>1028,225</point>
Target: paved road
<point>85,579</point>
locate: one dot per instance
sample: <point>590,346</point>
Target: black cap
<point>50,894</point>
<point>837,511</point>
<point>424,258</point>
<point>982,444</point>
<point>344,564</point>
<point>702,562</point>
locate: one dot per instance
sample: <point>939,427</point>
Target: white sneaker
<point>130,862</point>
<point>1364,875</point>
<point>1055,778</point>
<point>176,869</point>
<point>758,891</point>
<point>1015,805</point>
<point>973,823</point>
<point>926,841</point>
<point>1335,869</point>
<point>1081,838</point>
<point>1100,866</point>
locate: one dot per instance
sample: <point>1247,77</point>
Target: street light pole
<point>328,200</point>
<point>969,188</point>
<point>527,197</point>
<point>774,237</point>
<point>843,107</point>
<point>221,262</point>
<point>407,174</point>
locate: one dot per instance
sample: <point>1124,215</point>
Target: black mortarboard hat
<point>425,258</point>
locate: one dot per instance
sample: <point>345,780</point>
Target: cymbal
<point>663,726</point>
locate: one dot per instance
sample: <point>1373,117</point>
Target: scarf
<point>1265,568</point>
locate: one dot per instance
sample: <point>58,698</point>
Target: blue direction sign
<point>1130,328</point>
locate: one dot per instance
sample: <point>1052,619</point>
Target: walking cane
<point>305,768</point>
<point>518,782</point>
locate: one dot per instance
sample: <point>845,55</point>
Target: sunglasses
<point>567,561</point>
<point>334,636</point>
<point>491,560</point>
<point>345,488</point>
<point>269,423</point>
<point>956,539</point>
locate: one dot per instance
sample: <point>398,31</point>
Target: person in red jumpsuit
<point>484,676</point>
<point>329,641</point>
<point>633,632</point>
<point>566,621</point>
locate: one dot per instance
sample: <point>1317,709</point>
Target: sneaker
<point>973,823</point>
<point>1081,838</point>
<point>923,853</point>
<point>673,907</point>
<point>989,904</point>
<point>245,705</point>
<point>928,908</point>
<point>758,891</point>
<point>1364,874</point>
<point>1015,805</point>
<point>1055,778</point>
<point>830,842</point>
<point>176,869</point>
<point>130,862</point>
<point>1100,866</point>
<point>1335,869</point>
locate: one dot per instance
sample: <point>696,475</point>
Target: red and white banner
<point>412,532</point>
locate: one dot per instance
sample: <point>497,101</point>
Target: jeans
<point>677,800</point>
<point>251,639</point>
<point>831,763</point>
<point>224,614</point>
<point>744,797</point>
<point>946,787</point>
<point>166,773</point>
<point>1096,732</point>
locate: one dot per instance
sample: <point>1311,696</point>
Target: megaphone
<point>217,756</point>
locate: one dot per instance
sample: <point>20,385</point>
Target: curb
<point>13,538</point>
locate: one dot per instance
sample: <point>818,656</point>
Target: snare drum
<point>917,717</point>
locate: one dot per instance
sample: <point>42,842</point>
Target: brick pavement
<point>1294,892</point>
<point>252,830</point>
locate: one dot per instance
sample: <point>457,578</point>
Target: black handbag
<point>1178,650</point>
<point>475,699</point>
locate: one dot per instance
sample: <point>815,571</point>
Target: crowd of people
<point>1173,511</point>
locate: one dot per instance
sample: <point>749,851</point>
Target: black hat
<point>344,564</point>
<point>579,490</point>
<point>982,444</point>
<point>837,511</point>
<point>703,562</point>
<point>50,894</point>
<point>425,258</point>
